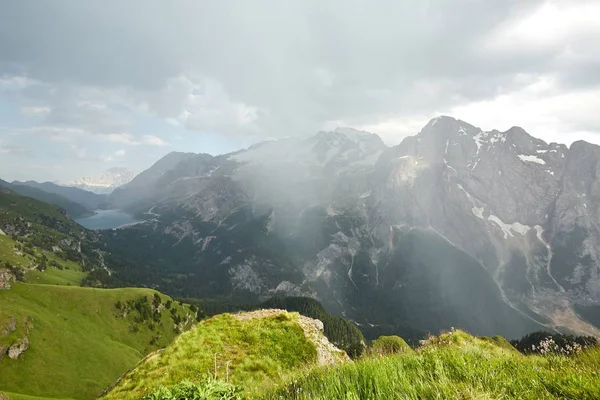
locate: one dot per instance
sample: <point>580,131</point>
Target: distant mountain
<point>87,199</point>
<point>73,209</point>
<point>105,182</point>
<point>141,186</point>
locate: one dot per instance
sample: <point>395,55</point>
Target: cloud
<point>130,140</point>
<point>35,111</point>
<point>10,149</point>
<point>274,69</point>
<point>83,154</point>
<point>153,141</point>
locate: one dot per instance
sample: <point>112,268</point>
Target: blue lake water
<point>107,219</point>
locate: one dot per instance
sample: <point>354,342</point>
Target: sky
<point>86,85</point>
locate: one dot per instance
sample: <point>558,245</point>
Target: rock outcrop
<point>327,353</point>
<point>5,278</point>
<point>9,327</point>
<point>18,348</point>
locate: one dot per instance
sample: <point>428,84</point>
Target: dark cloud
<point>274,68</point>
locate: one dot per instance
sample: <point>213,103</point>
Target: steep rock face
<point>505,198</point>
<point>497,232</point>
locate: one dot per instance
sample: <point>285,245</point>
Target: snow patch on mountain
<point>105,182</point>
<point>478,211</point>
<point>532,159</point>
<point>508,229</point>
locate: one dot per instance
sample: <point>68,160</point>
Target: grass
<point>79,342</point>
<point>8,253</point>
<point>453,366</point>
<point>18,396</point>
<point>53,276</point>
<point>259,353</point>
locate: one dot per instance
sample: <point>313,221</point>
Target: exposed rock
<point>18,347</point>
<point>4,234</point>
<point>5,278</point>
<point>10,327</point>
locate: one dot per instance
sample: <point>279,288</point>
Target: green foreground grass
<point>258,353</point>
<point>453,366</point>
<point>79,342</point>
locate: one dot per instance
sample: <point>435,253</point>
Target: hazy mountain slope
<point>73,209</point>
<point>141,187</point>
<point>90,200</point>
<point>494,194</point>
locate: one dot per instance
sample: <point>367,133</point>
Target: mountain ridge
<point>339,204</point>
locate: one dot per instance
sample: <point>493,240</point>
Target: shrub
<point>386,345</point>
<point>545,342</point>
<point>207,389</point>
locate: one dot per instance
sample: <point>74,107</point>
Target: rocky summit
<point>495,232</point>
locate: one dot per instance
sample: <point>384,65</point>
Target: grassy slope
<point>71,274</point>
<point>79,343</point>
<point>44,220</point>
<point>260,350</point>
<point>454,366</point>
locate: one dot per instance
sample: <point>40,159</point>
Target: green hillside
<point>81,339</point>
<point>37,237</point>
<point>254,350</point>
<point>75,341</point>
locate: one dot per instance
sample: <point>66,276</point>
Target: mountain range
<point>103,183</point>
<point>495,232</point>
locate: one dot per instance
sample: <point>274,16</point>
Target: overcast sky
<point>87,85</point>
